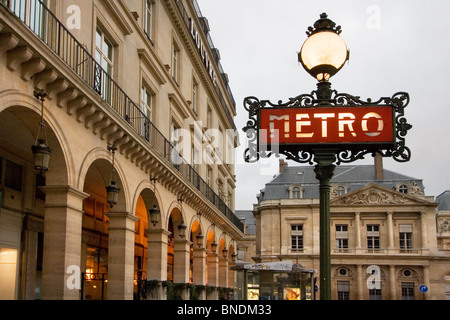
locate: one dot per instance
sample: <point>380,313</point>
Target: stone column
<point>360,282</point>
<point>390,231</point>
<point>157,254</point>
<point>62,241</point>
<point>199,272</point>
<point>213,274</point>
<point>426,281</point>
<point>423,223</point>
<point>392,283</point>
<point>121,255</point>
<point>358,230</point>
<point>231,276</point>
<point>157,260</point>
<point>181,263</point>
<point>223,273</point>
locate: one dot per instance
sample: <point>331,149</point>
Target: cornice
<point>122,20</point>
<point>194,55</point>
<point>152,66</point>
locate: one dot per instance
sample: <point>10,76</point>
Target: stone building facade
<point>132,85</point>
<point>386,236</point>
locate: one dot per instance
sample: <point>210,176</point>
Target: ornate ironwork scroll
<point>324,96</point>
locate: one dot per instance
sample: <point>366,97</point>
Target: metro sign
<point>330,125</point>
<point>343,124</point>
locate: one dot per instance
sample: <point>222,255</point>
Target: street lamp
<point>181,227</point>
<point>112,190</point>
<point>154,212</point>
<point>199,238</point>
<point>214,247</point>
<point>225,253</point>
<point>321,127</point>
<point>41,152</point>
<point>324,53</point>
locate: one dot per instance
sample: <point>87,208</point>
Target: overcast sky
<point>399,45</point>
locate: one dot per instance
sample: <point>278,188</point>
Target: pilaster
<point>121,255</point>
<point>62,240</point>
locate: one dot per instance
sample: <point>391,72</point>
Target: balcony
<point>57,38</point>
<point>378,251</point>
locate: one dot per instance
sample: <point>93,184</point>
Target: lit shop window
<point>8,272</point>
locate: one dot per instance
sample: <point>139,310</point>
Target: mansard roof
<point>352,177</point>
<point>444,201</point>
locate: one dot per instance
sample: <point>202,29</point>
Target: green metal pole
<point>324,172</point>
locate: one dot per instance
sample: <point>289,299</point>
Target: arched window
<point>341,190</point>
<point>295,192</point>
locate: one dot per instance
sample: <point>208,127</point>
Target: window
<point>342,236</point>
<point>104,57</point>
<point>176,153</point>
<point>343,272</point>
<point>175,62</point>
<point>407,273</point>
<point>32,13</point>
<point>403,188</point>
<point>343,288</point>
<point>209,176</point>
<point>374,294</point>
<point>13,175</point>
<point>373,236</point>
<point>220,142</point>
<point>296,237</point>
<point>174,132</point>
<point>148,18</point>
<point>341,190</point>
<point>8,271</point>
<point>407,290</point>
<point>195,158</point>
<point>296,193</point>
<point>405,235</point>
<point>194,96</point>
<point>147,112</point>
<point>209,118</point>
<point>230,199</point>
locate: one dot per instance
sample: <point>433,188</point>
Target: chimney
<point>379,174</point>
<point>283,164</point>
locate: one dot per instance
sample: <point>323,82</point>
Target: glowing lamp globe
<point>324,53</point>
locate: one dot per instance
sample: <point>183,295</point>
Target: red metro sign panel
<point>328,125</point>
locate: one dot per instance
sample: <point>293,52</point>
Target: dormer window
<point>403,188</point>
<point>338,190</point>
<point>295,192</point>
<point>341,190</point>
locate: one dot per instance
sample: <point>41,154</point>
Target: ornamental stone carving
<point>372,197</point>
<point>444,225</point>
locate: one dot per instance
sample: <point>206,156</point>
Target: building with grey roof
<point>301,182</point>
<point>380,220</point>
<point>444,201</point>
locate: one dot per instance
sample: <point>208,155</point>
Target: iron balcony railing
<point>45,25</point>
<point>187,22</point>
